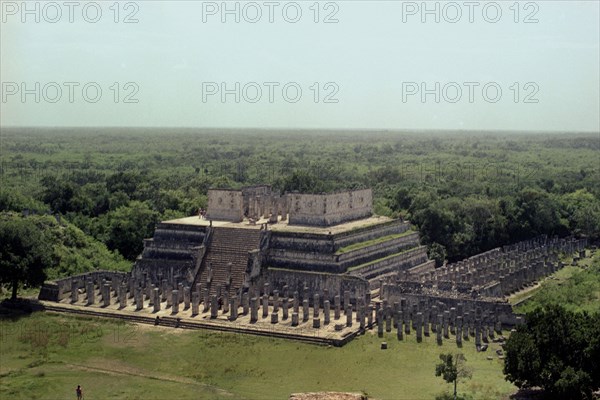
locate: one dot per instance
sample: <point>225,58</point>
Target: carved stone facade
<point>330,209</point>
<point>225,205</point>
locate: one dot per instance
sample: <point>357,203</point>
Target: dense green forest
<point>466,192</point>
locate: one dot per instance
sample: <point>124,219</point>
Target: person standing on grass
<point>79,392</point>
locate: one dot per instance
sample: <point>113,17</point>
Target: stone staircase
<point>228,257</point>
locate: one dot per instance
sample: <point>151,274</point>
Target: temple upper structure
<point>256,202</point>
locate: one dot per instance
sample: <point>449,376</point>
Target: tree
<point>437,252</point>
<point>128,226</point>
<point>452,369</point>
<point>556,350</point>
<point>24,254</point>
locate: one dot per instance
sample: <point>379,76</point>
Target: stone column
<point>186,297</point>
<point>459,324</point>
<point>169,293</point>
<point>275,300</point>
<point>419,327</point>
<point>214,307</point>
<point>478,333</point>
<point>245,303</point>
<point>349,315</point>
<point>380,322</point>
<point>90,292</point>
<point>122,296</point>
<point>74,291</point>
<point>294,319</point>
<point>164,290</point>
<point>225,300</point>
<point>195,303</point>
<point>156,292</point>
<point>233,308</point>
<point>336,305</point>
<point>326,312</point>
<point>446,324</point>
<point>305,310</point>
<point>285,308</point>
<point>175,301</point>
<point>274,317</point>
<point>370,315</point>
<point>180,291</point>
<point>254,309</point>
<point>296,303</point>
<point>316,306</point>
<point>205,300</point>
<point>438,332</point>
<point>388,319</point>
<point>139,299</point>
<point>150,294</point>
<point>106,294</point>
<point>131,286</point>
<point>452,320</point>
<point>316,323</point>
<point>347,300</point>
<point>399,324</point>
<point>265,305</point>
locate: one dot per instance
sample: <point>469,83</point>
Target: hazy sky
<point>376,64</point>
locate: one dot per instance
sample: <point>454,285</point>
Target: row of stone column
<point>442,322</point>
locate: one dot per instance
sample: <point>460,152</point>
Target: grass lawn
<point>45,356</point>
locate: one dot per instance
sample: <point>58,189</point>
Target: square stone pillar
<point>388,319</point>
<point>446,324</point>
<point>265,305</point>
<point>349,315</point>
<point>233,308</point>
<point>175,301</point>
<point>106,294</point>
<point>169,293</point>
<point>90,292</point>
<point>326,312</point>
<point>254,309</point>
<point>225,301</point>
<point>459,325</point>
<point>336,307</point>
<point>245,303</point>
<point>285,308</point>
<point>122,296</point>
<point>74,291</point>
<point>316,306</point>
<point>399,326</point>
<point>296,302</point>
<point>186,298</point>
<point>438,331</point>
<point>305,310</point>
<point>214,307</point>
<point>275,300</point>
<point>419,327</point>
<point>156,292</point>
<point>195,303</point>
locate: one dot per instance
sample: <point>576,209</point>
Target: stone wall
<point>330,209</point>
<point>58,289</point>
<point>225,205</point>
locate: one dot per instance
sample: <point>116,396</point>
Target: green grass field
<point>45,356</point>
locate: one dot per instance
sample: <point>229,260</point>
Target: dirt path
<point>118,369</point>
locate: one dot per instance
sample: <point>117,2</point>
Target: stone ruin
<point>256,202</point>
<point>321,284</point>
